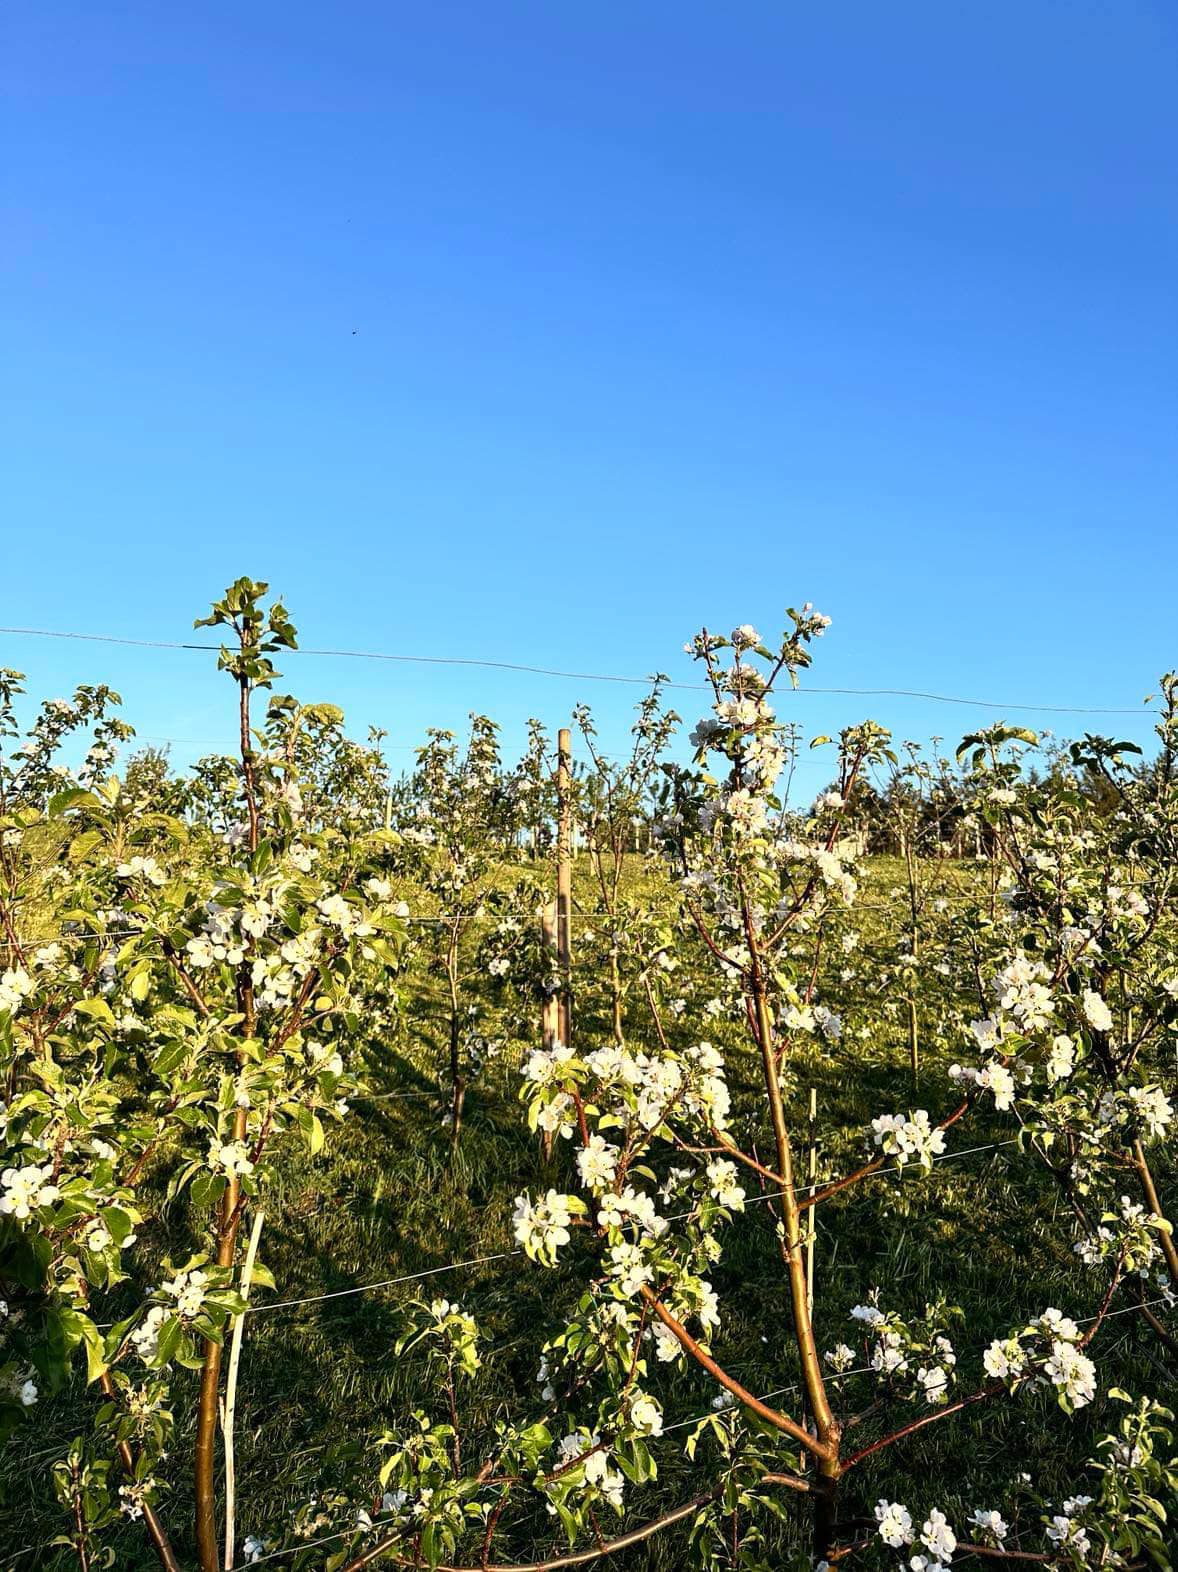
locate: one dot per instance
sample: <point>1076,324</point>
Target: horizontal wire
<point>387,1097</point>
<point>275,1555</point>
<point>781,1391</point>
<point>233,744</point>
<point>778,1391</point>
<point>850,912</point>
<point>505,1255</point>
<point>578,676</point>
<point>389,1282</point>
<point>681,1424</point>
<point>147,933</point>
<point>508,1255</point>
<point>294,1550</point>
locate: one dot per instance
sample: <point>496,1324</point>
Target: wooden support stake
<point>564,880</point>
<point>230,1403</point>
<point>550,1017</point>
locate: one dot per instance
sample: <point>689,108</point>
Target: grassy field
<point>386,1199</point>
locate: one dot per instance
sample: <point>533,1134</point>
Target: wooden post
<point>555,920</point>
<point>564,879</point>
<point>912,869</point>
<point>550,1010</point>
<point>812,1181</point>
<point>550,1018</point>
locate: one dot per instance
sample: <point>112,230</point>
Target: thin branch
<point>576,1558</point>
<point>871,1168</point>
<point>782,1422</point>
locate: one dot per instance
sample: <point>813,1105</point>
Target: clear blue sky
<point>547,332</point>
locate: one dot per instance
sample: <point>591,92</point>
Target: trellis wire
<point>682,1424</point>
<point>679,1424</point>
<point>579,676</point>
<point>506,1255</point>
<point>433,918</point>
<point>439,919</point>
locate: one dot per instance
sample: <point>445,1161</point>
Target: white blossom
<point>1072,1372</point>
<point>990,1524</point>
<point>145,1337</point>
<point>230,1157</point>
<point>908,1138</point>
<point>645,1415</point>
<point>937,1537</point>
<point>934,1381</point>
<point>722,1177</point>
<point>142,868</point>
<point>26,1189</point>
<point>543,1226</point>
<point>15,987</point>
<point>188,1290</point>
<point>597,1163</point>
<point>894,1523</point>
<point>1096,1012</point>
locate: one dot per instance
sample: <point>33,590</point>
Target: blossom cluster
<point>909,1138</point>
<point>1047,1352</point>
<point>936,1537</point>
<point>917,1359</point>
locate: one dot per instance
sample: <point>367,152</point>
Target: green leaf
<point>74,797</point>
<point>96,1010</point>
<point>262,1277</point>
<point>315,1137</point>
<point>95,1354</point>
<point>207,1188</point>
<point>82,845</point>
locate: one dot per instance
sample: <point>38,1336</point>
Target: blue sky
<point>547,333</point>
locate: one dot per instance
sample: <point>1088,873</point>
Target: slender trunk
<point>793,1249</point>
<point>550,1014</point>
<point>913,911</point>
<point>456,1438</point>
<point>80,1523</point>
<point>811,1186</point>
<point>564,881</point>
<point>229,1216</point>
<point>210,1383</point>
<point>247,761</point>
<point>231,1395</point>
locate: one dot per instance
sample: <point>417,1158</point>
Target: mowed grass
<point>386,1199</point>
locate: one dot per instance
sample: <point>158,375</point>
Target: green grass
<point>386,1199</point>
